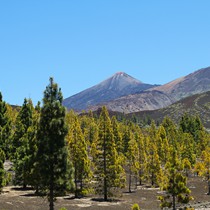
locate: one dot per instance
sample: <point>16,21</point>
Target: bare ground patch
<point>15,198</point>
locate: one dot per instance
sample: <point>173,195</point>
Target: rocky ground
<point>15,198</point>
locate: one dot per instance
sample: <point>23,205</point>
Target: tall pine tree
<point>109,172</point>
<point>53,167</point>
<point>79,157</point>
<point>21,142</point>
<point>5,128</point>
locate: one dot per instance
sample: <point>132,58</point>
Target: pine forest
<point>58,152</point>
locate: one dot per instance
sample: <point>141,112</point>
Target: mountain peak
<point>120,73</point>
<point>121,80</point>
<point>120,84</point>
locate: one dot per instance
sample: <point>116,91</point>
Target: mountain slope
<point>194,83</point>
<point>120,84</point>
<point>198,104</point>
<point>148,100</point>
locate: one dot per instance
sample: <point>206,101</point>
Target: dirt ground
<point>14,198</point>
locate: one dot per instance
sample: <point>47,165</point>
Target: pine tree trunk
<point>105,172</point>
<point>24,178</point>
<point>81,188</point>
<point>136,179</point>
<point>208,187</point>
<point>75,182</point>
<point>174,202</point>
<point>51,198</point>
<point>129,180</point>
<point>105,189</point>
<point>105,181</point>
<point>140,180</point>
<point>152,179</point>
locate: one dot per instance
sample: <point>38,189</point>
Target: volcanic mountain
<point>123,93</point>
<point>164,95</point>
<point>120,84</point>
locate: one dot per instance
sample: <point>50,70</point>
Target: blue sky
<point>82,42</point>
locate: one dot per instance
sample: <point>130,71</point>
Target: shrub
<point>135,207</point>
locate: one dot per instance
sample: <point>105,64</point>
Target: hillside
<point>194,83</point>
<point>198,104</point>
<point>148,100</point>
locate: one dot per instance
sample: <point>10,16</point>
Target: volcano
<point>120,84</point>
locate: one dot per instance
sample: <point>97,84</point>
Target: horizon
<point>80,44</point>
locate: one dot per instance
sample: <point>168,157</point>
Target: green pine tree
<point>53,166</point>
<point>5,128</point>
<point>2,171</point>
<point>21,145</point>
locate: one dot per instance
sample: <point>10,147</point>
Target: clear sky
<point>82,42</point>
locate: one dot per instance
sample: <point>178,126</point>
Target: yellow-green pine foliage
<point>132,160</point>
<point>135,207</point>
<point>187,147</point>
<point>152,161</point>
<point>79,158</point>
<point>176,185</point>
<point>109,172</point>
<point>203,141</point>
<point>117,135</point>
<point>171,131</point>
<point>162,145</point>
<point>205,161</point>
<point>141,154</point>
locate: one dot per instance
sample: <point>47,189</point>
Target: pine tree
<point>171,131</point>
<point>2,171</point>
<point>153,165</point>
<point>176,183</point>
<point>52,166</point>
<point>203,141</point>
<point>109,172</point>
<point>205,158</point>
<point>187,147</point>
<point>5,128</point>
<point>21,145</point>
<point>79,158</point>
<point>117,135</point>
<point>142,154</point>
<point>132,160</point>
<point>162,144</point>
<point>191,124</point>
